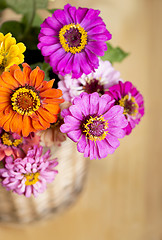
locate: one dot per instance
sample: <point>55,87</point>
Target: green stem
<point>29,25</point>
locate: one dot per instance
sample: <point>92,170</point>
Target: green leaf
<point>24,6</point>
<point>3,4</point>
<point>36,21</point>
<point>14,27</point>
<point>21,6</point>
<point>114,54</point>
<point>52,10</point>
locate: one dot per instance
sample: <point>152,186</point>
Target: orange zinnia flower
<point>27,102</point>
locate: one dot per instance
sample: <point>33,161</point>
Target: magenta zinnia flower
<point>15,145</point>
<point>94,124</point>
<point>127,96</point>
<point>72,39</point>
<point>98,81</point>
<point>28,175</point>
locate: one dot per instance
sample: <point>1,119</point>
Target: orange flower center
<point>25,100</point>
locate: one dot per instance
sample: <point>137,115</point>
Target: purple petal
<point>48,50</point>
<point>74,135</point>
<point>47,31</point>
<point>103,149</point>
<point>28,191</point>
<point>80,14</point>
<point>113,141</point>
<point>54,24</point>
<point>60,16</point>
<point>76,66</point>
<point>94,99</point>
<point>63,62</point>
<point>118,132</point>
<point>82,144</point>
<point>48,40</point>
<point>97,47</point>
<point>113,111</point>
<point>87,149</point>
<point>76,112</point>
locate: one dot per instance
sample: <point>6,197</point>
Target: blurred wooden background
<point>122,199</point>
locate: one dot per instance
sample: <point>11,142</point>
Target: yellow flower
<point>10,52</point>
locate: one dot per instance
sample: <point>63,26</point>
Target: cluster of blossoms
<point>99,107</point>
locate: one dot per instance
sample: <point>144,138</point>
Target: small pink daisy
<point>28,175</point>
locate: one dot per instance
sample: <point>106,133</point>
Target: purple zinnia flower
<point>127,96</point>
<point>94,124</point>
<point>99,81</point>
<point>28,175</point>
<point>72,39</point>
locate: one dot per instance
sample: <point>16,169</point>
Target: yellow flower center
<point>129,104</point>
<point>95,128</point>
<point>31,178</point>
<point>9,142</point>
<point>25,100</point>
<point>73,38</point>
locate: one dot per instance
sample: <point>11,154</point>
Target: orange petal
<point>52,108</point>
<point>27,126</point>
<point>46,85</point>
<point>37,125</point>
<point>16,123</point>
<point>4,99</point>
<point>5,94</point>
<point>13,68</point>
<point>44,123</point>
<point>6,125</point>
<point>19,75</point>
<point>26,70</point>
<point>46,115</point>
<point>51,93</point>
<point>9,79</point>
<point>53,100</point>
<point>39,78</point>
<point>33,75</point>
<point>3,106</point>
<point>2,89</point>
<point>7,109</point>
<point>4,118</point>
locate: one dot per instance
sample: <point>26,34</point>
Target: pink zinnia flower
<point>94,124</point>
<point>127,96</point>
<point>72,39</point>
<point>98,81</point>
<point>14,144</point>
<point>28,175</point>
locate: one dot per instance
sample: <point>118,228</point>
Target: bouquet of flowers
<point>87,102</point>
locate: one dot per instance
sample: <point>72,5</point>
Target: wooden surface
<point>122,199</point>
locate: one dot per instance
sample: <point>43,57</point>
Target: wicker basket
<point>59,194</point>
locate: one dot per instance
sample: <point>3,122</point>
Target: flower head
<point>99,81</point>
<point>27,102</point>
<point>127,96</point>
<point>28,175</point>
<point>10,52</point>
<point>15,145</point>
<point>72,39</point>
<point>95,124</point>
